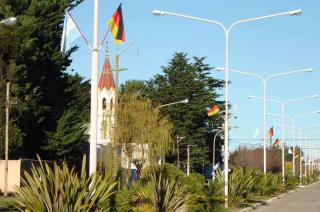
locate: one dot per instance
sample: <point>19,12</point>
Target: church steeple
<point>106,78</point>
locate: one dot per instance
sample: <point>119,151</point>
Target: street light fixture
<point>283,104</point>
<point>264,81</point>
<point>227,30</point>
<point>185,101</point>
<point>9,21</point>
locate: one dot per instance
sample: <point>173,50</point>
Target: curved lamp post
<point>227,30</point>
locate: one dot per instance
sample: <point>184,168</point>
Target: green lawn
<point>5,204</point>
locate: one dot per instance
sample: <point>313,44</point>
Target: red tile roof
<point>106,78</point>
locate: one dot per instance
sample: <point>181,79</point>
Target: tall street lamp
<point>293,119</point>
<point>185,101</point>
<point>227,30</point>
<point>283,105</point>
<point>264,81</point>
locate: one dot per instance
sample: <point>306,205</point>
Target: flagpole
<point>104,38</point>
<point>94,91</point>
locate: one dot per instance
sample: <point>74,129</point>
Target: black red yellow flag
<point>117,27</point>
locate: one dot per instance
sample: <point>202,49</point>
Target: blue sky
<point>265,47</point>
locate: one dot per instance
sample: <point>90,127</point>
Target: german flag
<point>270,133</point>
<point>116,26</point>
<point>277,142</point>
<point>214,110</point>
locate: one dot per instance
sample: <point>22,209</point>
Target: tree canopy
<point>30,59</point>
<point>185,79</point>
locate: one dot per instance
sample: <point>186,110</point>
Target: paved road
<point>304,200</point>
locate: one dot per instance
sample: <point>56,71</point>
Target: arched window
<point>104,104</point>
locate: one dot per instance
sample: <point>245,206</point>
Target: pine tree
<point>69,140</point>
<point>183,79</point>
<point>31,60</point>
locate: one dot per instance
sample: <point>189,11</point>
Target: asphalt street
<point>306,200</point>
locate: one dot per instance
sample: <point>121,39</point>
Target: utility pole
<point>178,154</point>
<point>6,142</point>
<point>117,61</point>
<point>188,158</point>
<point>8,103</point>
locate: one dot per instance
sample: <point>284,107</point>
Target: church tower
<point>106,104</point>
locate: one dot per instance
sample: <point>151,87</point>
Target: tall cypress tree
<point>32,62</point>
<point>183,79</point>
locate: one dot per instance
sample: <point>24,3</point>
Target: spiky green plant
<point>267,184</point>
<point>160,189</point>
<point>61,189</point>
<point>240,184</point>
<point>163,194</point>
<point>291,181</point>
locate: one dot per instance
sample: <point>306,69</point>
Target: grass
<point>5,204</point>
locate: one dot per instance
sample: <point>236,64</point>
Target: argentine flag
<point>70,33</point>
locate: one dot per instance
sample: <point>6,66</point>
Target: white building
<point>106,105</point>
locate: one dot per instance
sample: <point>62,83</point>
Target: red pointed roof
<point>106,78</point>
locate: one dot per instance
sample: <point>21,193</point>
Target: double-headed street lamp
<point>264,81</point>
<point>227,30</point>
<point>283,105</point>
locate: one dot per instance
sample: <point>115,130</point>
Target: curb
<point>280,196</point>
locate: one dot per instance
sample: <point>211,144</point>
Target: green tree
<point>140,128</point>
<point>133,86</point>
<point>183,79</point>
<point>69,140</point>
<point>31,60</point>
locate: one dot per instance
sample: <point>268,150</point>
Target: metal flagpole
<point>94,91</point>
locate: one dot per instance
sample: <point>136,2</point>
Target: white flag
<point>70,33</point>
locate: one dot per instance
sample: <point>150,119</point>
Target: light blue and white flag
<point>70,33</point>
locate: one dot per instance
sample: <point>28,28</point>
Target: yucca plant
<point>160,189</point>
<point>61,189</point>
<point>240,185</point>
<point>163,194</point>
<point>291,181</point>
<point>267,184</point>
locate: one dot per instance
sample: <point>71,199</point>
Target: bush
<point>214,196</point>
<point>61,189</point>
<point>267,185</point>
<point>291,181</point>
<point>240,185</point>
<point>160,189</point>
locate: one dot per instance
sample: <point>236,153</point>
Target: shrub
<point>240,185</point>
<point>267,185</point>
<point>291,181</point>
<point>61,189</point>
<point>159,189</point>
<point>214,196</point>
